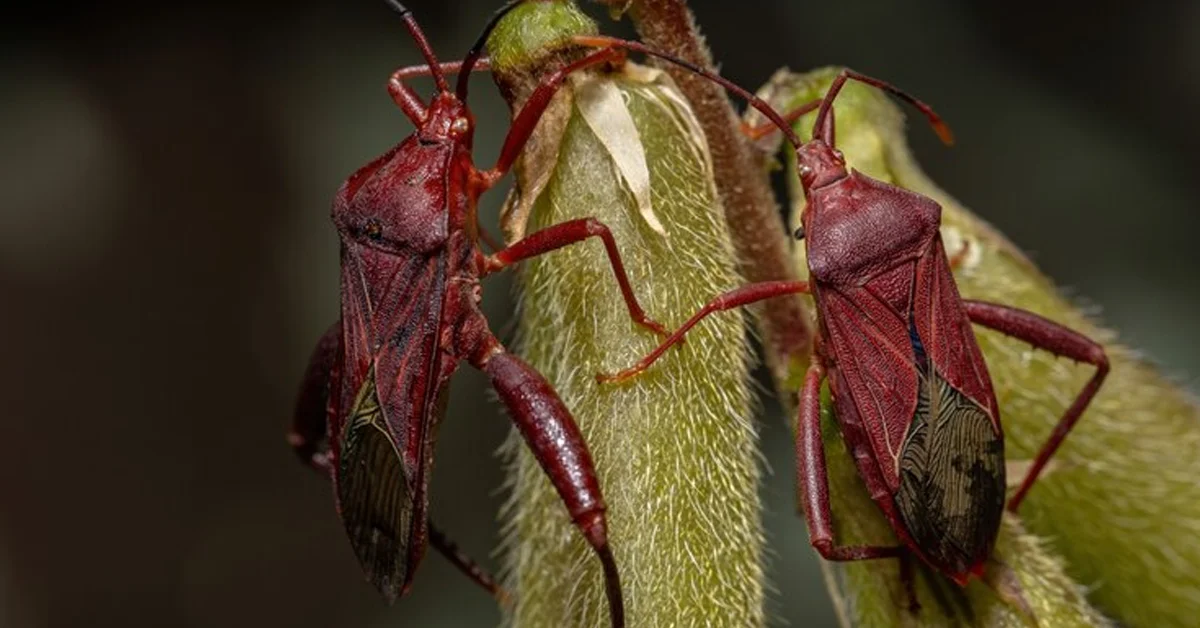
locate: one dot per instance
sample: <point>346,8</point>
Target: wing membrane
<point>951,477</point>
<point>392,318</point>
<point>374,495</point>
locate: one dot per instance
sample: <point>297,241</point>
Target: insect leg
<point>737,297</point>
<point>1059,340</point>
<point>307,434</point>
<point>812,480</point>
<point>960,256</point>
<point>466,564</point>
<point>908,577</point>
<point>552,436</point>
<point>447,67</point>
<point>567,233</point>
<point>407,99</point>
<point>527,119</point>
<point>492,242</point>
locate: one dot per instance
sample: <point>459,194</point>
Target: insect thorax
<point>860,227</point>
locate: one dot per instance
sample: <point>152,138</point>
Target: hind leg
<point>307,435</point>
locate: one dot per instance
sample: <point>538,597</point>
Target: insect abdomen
<point>951,471</point>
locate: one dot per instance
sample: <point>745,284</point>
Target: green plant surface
<point>676,449</point>
<point>1120,504</point>
<point>531,29</point>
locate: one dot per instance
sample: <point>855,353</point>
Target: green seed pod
<point>675,449</point>
<point>1120,502</point>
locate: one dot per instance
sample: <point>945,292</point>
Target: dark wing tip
<point>388,586</point>
<point>375,501</point>
<point>951,493</point>
<point>384,561</point>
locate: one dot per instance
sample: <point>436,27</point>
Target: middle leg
<point>568,233</point>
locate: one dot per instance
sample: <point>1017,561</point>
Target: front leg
<point>551,434</point>
<point>407,99</point>
<point>308,432</point>
<point>567,233</point>
<point>1061,341</point>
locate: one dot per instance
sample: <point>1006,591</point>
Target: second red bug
<point>910,386</point>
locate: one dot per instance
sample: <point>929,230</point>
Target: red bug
<point>910,386</point>
<point>375,390</point>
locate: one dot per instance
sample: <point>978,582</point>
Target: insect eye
<point>460,125</point>
<point>373,229</point>
<point>806,171</point>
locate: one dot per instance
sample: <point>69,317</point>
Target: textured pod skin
<point>677,450</point>
<point>680,442</point>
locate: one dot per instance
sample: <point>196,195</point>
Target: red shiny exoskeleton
<point>375,390</point>
<point>910,385</point>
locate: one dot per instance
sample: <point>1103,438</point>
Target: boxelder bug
<point>910,386</point>
<point>375,390</point>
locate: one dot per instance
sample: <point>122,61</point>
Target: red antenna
<point>826,134</point>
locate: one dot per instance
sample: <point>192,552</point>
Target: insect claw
<point>944,133</point>
<point>655,327</point>
<point>617,378</point>
<point>504,599</point>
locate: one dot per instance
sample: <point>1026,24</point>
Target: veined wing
<point>392,397</point>
<point>375,498</point>
<point>951,492</point>
<point>870,345</point>
<point>945,331</point>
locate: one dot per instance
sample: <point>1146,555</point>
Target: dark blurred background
<point>166,262</point>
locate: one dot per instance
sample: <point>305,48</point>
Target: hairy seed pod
<point>676,450</point>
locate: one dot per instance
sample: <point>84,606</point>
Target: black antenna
<point>422,43</point>
<point>468,63</point>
